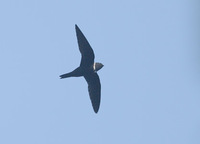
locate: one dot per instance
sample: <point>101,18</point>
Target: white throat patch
<point>97,66</point>
<point>94,66</point>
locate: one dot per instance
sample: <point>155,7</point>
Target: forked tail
<point>65,75</point>
<point>76,73</point>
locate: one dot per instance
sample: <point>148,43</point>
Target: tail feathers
<point>75,73</point>
<point>65,75</point>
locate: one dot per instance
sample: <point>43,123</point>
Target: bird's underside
<point>87,70</point>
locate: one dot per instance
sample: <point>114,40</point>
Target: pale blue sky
<point>150,81</point>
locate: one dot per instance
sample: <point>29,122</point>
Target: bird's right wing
<point>85,49</point>
<point>94,88</point>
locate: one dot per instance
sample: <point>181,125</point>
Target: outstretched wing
<point>94,88</point>
<point>87,53</point>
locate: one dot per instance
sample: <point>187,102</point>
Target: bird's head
<point>97,66</point>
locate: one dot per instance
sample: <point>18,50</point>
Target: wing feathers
<point>87,53</point>
<point>94,88</point>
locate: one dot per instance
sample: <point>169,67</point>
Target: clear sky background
<point>150,79</point>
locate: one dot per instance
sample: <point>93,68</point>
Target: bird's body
<point>88,69</point>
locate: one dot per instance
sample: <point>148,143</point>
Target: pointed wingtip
<point>76,26</point>
<point>96,111</point>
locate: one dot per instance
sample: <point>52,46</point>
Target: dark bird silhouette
<point>88,69</point>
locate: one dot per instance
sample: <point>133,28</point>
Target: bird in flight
<point>88,69</point>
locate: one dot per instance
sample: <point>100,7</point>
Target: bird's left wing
<point>94,88</point>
